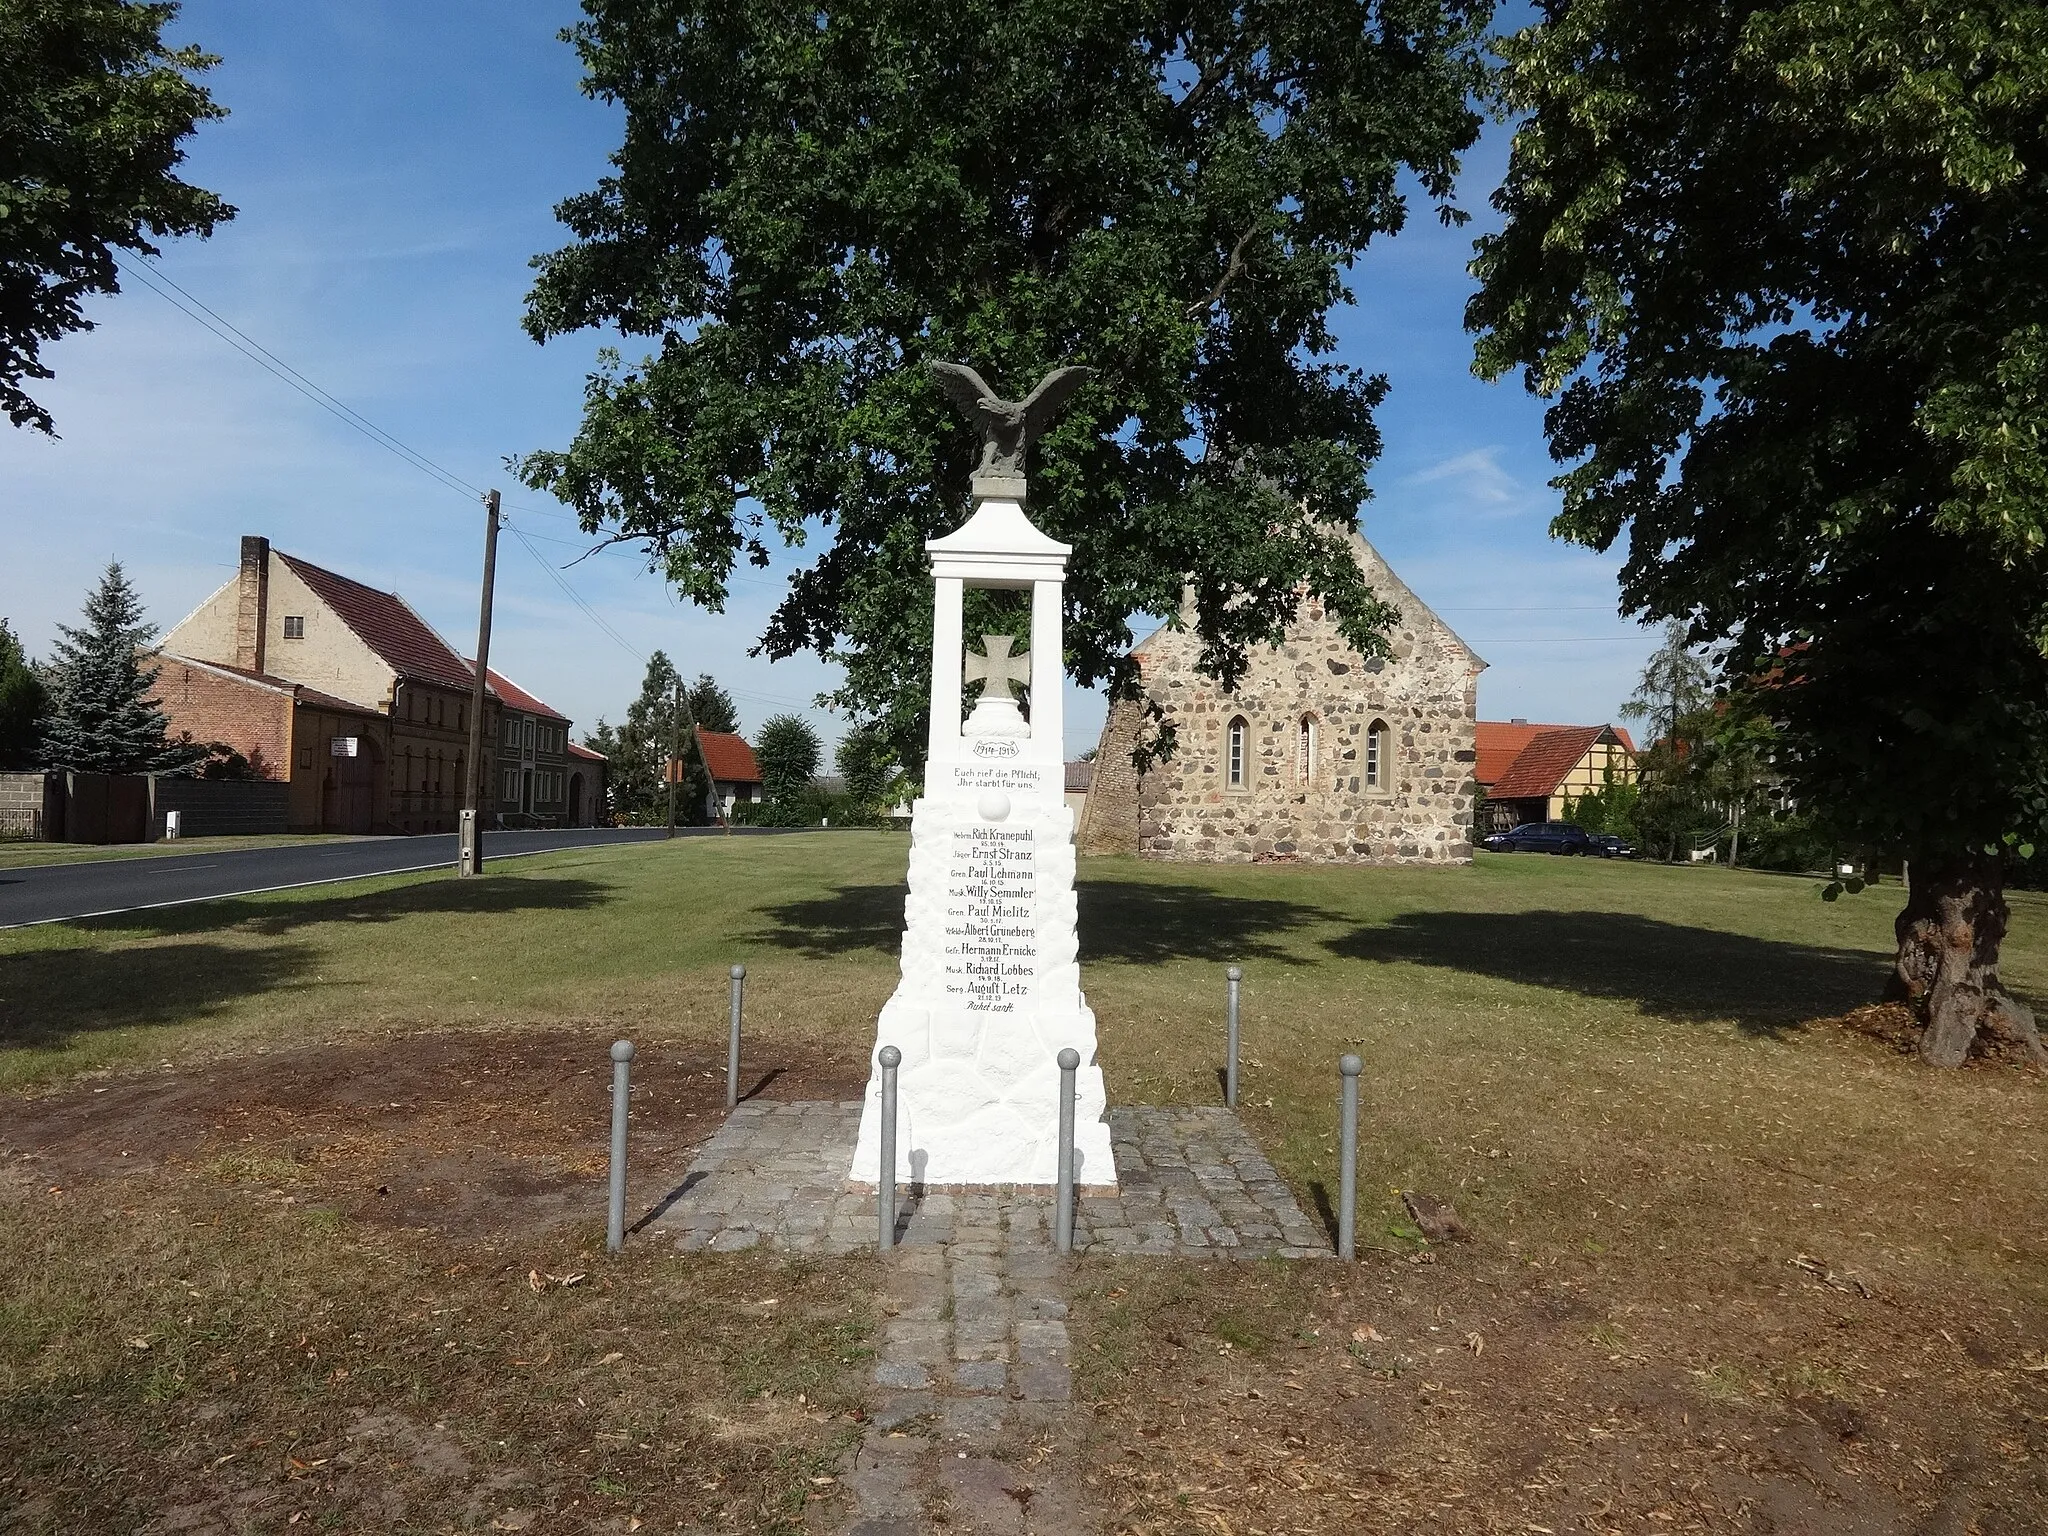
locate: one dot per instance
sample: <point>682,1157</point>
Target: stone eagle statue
<point>1008,427</point>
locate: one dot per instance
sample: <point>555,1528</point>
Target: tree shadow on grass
<point>1137,922</point>
<point>48,997</point>
<point>1766,986</point>
<point>1141,922</point>
<point>852,919</point>
<point>281,912</point>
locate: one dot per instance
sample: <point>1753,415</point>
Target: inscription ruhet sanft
<point>991,932</point>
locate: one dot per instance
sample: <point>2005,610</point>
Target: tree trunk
<point>1947,970</point>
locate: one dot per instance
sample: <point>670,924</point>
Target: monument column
<point>990,992</point>
<point>1048,671</point>
<point>944,738</point>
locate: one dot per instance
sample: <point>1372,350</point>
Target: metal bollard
<point>622,1088</point>
<point>1236,975</point>
<point>1347,1141</point>
<point>1063,1200</point>
<point>885,1186</point>
<point>732,1042</point>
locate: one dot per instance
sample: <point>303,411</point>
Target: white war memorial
<point>991,980</point>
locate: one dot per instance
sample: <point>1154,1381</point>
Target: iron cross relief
<point>997,666</point>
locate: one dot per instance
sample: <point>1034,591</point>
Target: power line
<point>177,297</point>
<point>198,310</point>
<point>573,595</point>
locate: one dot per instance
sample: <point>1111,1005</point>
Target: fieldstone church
<point>1319,755</point>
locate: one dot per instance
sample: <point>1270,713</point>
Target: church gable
<point>1318,754</point>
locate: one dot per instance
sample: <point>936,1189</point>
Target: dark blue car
<point>1543,837</point>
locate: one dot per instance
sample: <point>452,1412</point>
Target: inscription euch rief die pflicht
<point>991,936</point>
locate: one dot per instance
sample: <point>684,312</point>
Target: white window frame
<point>1236,752</point>
<point>1376,755</point>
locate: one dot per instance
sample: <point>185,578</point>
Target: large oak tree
<point>810,201</point>
<point>1784,268</point>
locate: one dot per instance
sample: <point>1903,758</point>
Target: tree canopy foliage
<point>809,203</point>
<point>22,700</point>
<point>1784,268</point>
<point>788,753</point>
<point>94,112</point>
<point>867,763</point>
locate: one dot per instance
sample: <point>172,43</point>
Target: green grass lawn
<point>1678,1186</point>
<point>1335,958</point>
<point>17,854</point>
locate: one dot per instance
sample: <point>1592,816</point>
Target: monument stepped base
<point>1191,1182</point>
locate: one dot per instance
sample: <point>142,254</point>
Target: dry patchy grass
<point>227,1363</point>
<point>359,1286</point>
<point>1728,1271</point>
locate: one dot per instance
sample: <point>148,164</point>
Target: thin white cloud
<point>1477,479</point>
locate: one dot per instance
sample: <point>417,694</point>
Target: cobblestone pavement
<point>972,1383</point>
<point>1190,1181</point>
<point>971,1380</point>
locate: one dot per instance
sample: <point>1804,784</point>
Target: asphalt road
<point>56,893</point>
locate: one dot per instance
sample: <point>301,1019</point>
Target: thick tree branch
<point>1236,265</point>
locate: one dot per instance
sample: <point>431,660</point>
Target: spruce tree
<point>654,723</point>
<point>604,741</point>
<point>712,707</point>
<point>102,718</point>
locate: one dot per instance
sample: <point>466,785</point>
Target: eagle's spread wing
<point>963,386</point>
<point>1044,402</point>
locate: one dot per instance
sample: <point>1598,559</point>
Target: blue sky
<point>395,166</point>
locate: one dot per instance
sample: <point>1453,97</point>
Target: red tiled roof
<point>577,749</point>
<point>1499,742</point>
<point>1545,755</point>
<point>728,758</point>
<point>383,622</point>
<point>514,696</point>
<point>1541,766</point>
<point>300,693</point>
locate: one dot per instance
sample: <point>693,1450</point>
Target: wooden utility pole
<point>470,859</point>
<point>673,769</point>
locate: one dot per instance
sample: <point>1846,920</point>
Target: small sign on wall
<point>343,746</point>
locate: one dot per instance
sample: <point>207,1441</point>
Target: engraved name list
<point>991,930</point>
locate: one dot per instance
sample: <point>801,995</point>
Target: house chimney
<point>252,613</point>
<point>1518,720</point>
